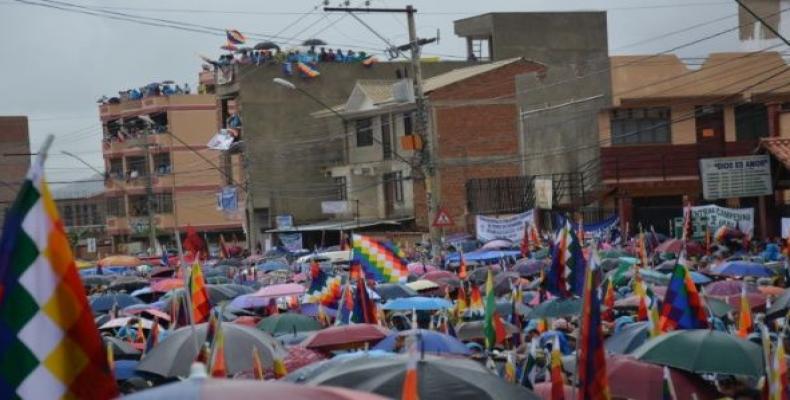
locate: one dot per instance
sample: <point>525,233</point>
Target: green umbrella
<point>613,254</point>
<point>288,323</point>
<point>718,308</point>
<point>556,308</point>
<point>703,351</point>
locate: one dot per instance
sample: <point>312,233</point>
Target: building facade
<point>82,207</point>
<point>14,158</point>
<point>157,159</point>
<point>666,117</point>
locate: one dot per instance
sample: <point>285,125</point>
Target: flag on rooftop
<point>49,345</point>
<point>380,260</point>
<point>235,36</point>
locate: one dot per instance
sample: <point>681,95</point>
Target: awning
<point>779,148</point>
<point>336,225</point>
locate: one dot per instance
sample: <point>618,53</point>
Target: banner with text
<point>715,216</point>
<point>509,228</point>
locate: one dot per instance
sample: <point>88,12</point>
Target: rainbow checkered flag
<point>381,261</point>
<point>49,345</point>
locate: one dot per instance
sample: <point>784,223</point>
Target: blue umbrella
<point>485,256</point>
<point>743,268</point>
<point>125,369</point>
<point>105,302</point>
<point>699,279</point>
<point>269,266</point>
<point>416,303</point>
<point>249,301</point>
<point>430,341</point>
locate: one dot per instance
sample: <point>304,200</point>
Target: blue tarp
<point>486,256</point>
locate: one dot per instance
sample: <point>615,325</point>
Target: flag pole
<point>43,151</point>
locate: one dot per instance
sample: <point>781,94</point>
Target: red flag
<point>223,248</point>
<point>557,381</point>
<point>462,268</point>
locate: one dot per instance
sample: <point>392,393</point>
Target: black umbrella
<point>438,378</point>
<point>314,42</point>
<point>172,357</point>
<point>529,268</point>
<point>503,282</point>
<point>120,348</point>
<point>104,302</point>
<point>128,283</point>
<point>267,45</point>
<point>628,339</point>
<point>389,291</point>
<point>95,281</point>
<point>780,306</point>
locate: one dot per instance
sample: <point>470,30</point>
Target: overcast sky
<point>57,63</point>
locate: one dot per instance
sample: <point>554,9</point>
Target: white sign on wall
<point>732,177</point>
<point>543,193</point>
<point>335,207</point>
<point>510,228</point>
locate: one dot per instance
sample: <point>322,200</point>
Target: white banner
<point>335,207</point>
<point>730,177</point>
<point>740,218</point>
<point>509,228</point>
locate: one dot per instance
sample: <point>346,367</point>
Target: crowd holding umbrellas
<point>559,315</point>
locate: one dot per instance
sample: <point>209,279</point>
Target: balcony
<point>666,162</point>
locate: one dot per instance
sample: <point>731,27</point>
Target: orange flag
<point>201,308</point>
<point>745,317</point>
<point>409,390</point>
<point>219,368</point>
<point>462,268</point>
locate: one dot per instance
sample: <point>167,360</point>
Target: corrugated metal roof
<point>377,90</point>
<point>460,74</point>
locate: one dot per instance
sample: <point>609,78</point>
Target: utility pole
<point>426,163</point>
<point>150,199</point>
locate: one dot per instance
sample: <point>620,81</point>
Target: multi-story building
<point>473,120</point>
<point>157,159</point>
<point>666,117</point>
<point>82,208</point>
<point>14,158</point>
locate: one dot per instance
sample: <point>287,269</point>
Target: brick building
<point>14,158</point>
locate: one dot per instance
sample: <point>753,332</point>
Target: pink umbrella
<point>420,268</point>
<point>297,357</point>
<point>345,337</point>
<point>727,288</point>
<point>281,290</point>
<point>152,311</point>
<point>166,285</point>
<point>438,274</point>
<point>244,389</point>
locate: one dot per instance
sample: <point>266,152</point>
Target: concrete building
<point>665,117</point>
<point>82,207</point>
<point>286,153</point>
<point>14,159</point>
<point>163,140</point>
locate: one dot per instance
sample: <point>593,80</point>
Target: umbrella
<point>420,268</point>
<point>531,268</point>
<point>246,389</point>
<point>95,280</point>
<point>743,268</point>
<point>632,379</point>
<point>438,378</point>
<point>422,284</point>
<point>217,280</point>
<point>557,307</point>
<point>389,291</point>
<point>310,371</point>
<point>166,285</point>
<point>249,301</point>
<point>504,282</point>
<point>281,290</point>
<point>311,309</point>
<point>628,339</point>
<point>266,45</point>
<point>497,244</point>
<point>288,323</point>
<point>314,42</point>
<point>780,305</point>
<point>480,275</point>
<point>121,348</point>
<point>122,321</point>
<point>676,246</point>
<point>172,357</point>
<point>162,272</point>
<point>771,290</point>
<point>272,265</point>
<point>703,351</point>
<point>106,301</point>
<point>216,294</point>
<point>128,283</point>
<point>236,288</point>
<point>429,341</point>
<point>727,288</point>
<point>417,303</point>
<point>120,261</point>
<point>543,391</point>
<point>472,330</point>
<point>439,274</point>
<point>153,312</point>
<point>345,336</point>
<point>614,254</point>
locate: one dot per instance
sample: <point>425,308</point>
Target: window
<point>364,132</point>
<point>640,125</point>
<point>163,203</point>
<point>135,167</point>
<point>162,164</point>
<point>340,183</point>
<point>138,206</point>
<point>95,218</point>
<point>68,216</point>
<point>751,121</point>
<point>386,137</point>
<point>398,183</point>
<point>408,128</point>
<point>115,207</point>
<point>116,168</point>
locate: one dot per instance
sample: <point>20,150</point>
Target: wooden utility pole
<point>425,163</point>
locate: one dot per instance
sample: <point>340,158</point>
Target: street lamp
<point>286,84</point>
<point>290,86</point>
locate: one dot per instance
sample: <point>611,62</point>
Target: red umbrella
<point>420,268</point>
<point>297,357</point>
<point>435,276</point>
<point>675,246</point>
<point>281,290</point>
<point>345,336</point>
<point>729,287</point>
<point>634,379</point>
<point>756,300</point>
<point>166,285</point>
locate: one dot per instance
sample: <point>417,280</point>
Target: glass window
<point>398,183</point>
<point>342,192</point>
<point>408,127</point>
<point>751,121</point>
<point>115,207</point>
<point>135,167</point>
<point>364,129</point>
<point>116,168</point>
<point>162,164</point>
<point>138,206</point>
<point>68,216</point>
<point>164,203</point>
<point>640,125</point>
